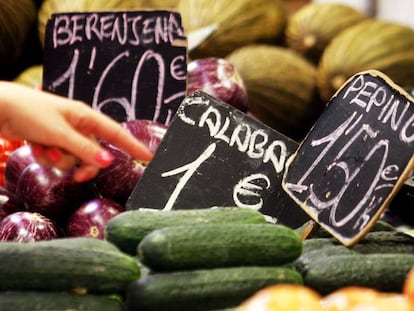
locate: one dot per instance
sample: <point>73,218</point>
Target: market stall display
<point>80,246</point>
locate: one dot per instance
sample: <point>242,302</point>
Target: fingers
<point>85,172</point>
<point>125,141</point>
<point>106,128</point>
<point>68,128</point>
<point>53,156</point>
<point>86,122</point>
<point>87,150</point>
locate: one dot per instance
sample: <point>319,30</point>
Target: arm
<point>63,131</point>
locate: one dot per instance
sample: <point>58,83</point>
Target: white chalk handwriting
<point>132,28</point>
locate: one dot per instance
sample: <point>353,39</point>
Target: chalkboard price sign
<point>215,155</point>
<point>358,154</point>
<point>129,65</point>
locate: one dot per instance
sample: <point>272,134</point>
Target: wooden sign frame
<point>356,157</point>
<point>127,64</point>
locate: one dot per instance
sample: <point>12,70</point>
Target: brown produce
<point>16,21</point>
<point>238,23</point>
<point>372,44</point>
<point>281,87</point>
<point>312,27</point>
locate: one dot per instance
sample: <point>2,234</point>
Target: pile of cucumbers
<point>204,259</point>
<point>197,259</point>
<point>380,260</point>
<point>64,274</point>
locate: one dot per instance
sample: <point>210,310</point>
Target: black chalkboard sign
<point>215,155</point>
<point>129,65</point>
<point>358,154</point>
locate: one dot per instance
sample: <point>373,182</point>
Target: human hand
<point>63,132</point>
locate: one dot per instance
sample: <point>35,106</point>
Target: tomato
<point>7,146</point>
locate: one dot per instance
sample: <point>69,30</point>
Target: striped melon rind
<point>238,23</point>
<point>370,45</point>
<point>312,27</point>
<point>281,87</point>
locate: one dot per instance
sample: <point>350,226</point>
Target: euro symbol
<point>248,191</point>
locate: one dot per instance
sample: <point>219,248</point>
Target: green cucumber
<point>321,232</point>
<point>384,272</point>
<point>206,289</point>
<point>58,301</point>
<point>317,243</point>
<point>308,257</point>
<point>219,245</point>
<point>385,242</point>
<point>87,264</point>
<point>127,229</point>
<point>381,237</point>
<point>381,225</point>
<point>373,242</point>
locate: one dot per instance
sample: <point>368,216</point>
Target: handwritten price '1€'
<point>230,159</point>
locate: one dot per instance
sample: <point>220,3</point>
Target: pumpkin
<point>372,44</point>
<point>311,28</point>
<point>280,85</point>
<point>238,23</point>
<point>16,20</point>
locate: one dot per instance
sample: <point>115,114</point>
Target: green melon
<point>311,28</point>
<point>281,87</point>
<point>370,45</point>
<point>238,23</point>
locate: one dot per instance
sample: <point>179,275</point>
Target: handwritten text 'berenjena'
<point>391,109</point>
<point>133,28</point>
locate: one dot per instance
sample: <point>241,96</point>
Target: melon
<point>370,45</point>
<point>281,87</point>
<point>312,27</point>
<point>156,4</point>
<point>238,23</point>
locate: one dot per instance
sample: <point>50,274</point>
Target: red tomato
<point>7,146</point>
